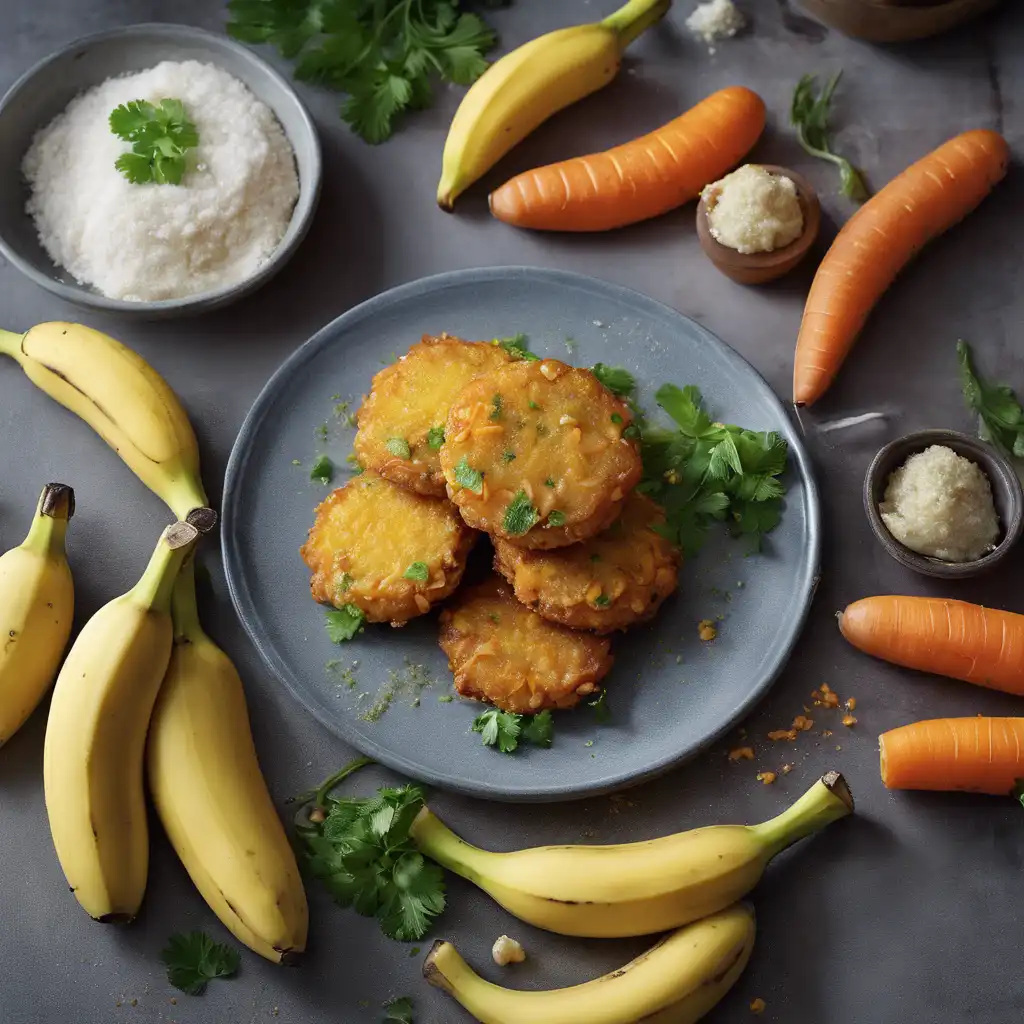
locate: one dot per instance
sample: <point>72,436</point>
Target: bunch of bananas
<point>143,690</point>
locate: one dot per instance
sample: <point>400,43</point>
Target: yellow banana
<point>211,797</point>
<point>525,87</point>
<point>635,888</point>
<point>676,982</point>
<point>122,398</point>
<point>37,602</point>
<point>96,735</point>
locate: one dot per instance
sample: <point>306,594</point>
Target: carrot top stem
<point>828,800</point>
<point>635,18</point>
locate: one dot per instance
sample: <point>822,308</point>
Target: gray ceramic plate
<point>670,694</point>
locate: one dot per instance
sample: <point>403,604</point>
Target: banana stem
<point>184,609</point>
<point>10,344</point>
<point>49,527</point>
<point>635,18</point>
<point>438,842</point>
<point>155,587</point>
<point>444,968</point>
<point>828,800</point>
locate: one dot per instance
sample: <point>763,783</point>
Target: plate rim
<point>241,599</point>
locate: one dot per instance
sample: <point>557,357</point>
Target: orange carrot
<point>643,178</point>
<point>964,641</point>
<point>875,244</point>
<point>980,755</point>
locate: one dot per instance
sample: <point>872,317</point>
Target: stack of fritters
<point>538,455</point>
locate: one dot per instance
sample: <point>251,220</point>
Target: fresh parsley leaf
<point>468,477</point>
<point>496,403</point>
<point>160,135</point>
<point>418,571</point>
<point>602,601</point>
<point>809,113</point>
<point>362,852</point>
<point>556,518</point>
<point>520,516</point>
<point>193,960</point>
<point>398,1011</point>
<point>617,380</point>
<point>384,56</point>
<point>539,729</point>
<point>602,710</point>
<point>1000,417</point>
<point>322,471</point>
<point>518,347</point>
<point>498,729</point>
<point>399,447</point>
<point>343,623</point>
<point>435,438</point>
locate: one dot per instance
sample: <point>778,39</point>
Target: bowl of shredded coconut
<point>154,170</point>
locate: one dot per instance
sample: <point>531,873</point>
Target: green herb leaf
<point>343,623</point>
<point>602,601</point>
<point>435,438</point>
<point>496,404</point>
<point>520,516</point>
<point>418,571</point>
<point>345,583</point>
<point>602,710</point>
<point>498,729</point>
<point>160,136</point>
<point>468,477</point>
<point>809,114</point>
<point>508,456</point>
<point>399,447</point>
<point>1000,417</point>
<point>518,347</point>
<point>193,960</point>
<point>616,379</point>
<point>539,729</point>
<point>556,518</point>
<point>384,56</point>
<point>322,471</point>
<point>398,1011</point>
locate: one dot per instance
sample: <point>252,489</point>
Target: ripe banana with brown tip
<point>37,603</point>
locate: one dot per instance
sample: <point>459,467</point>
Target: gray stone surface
<point>909,912</point>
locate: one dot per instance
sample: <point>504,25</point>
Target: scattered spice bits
<point>782,734</point>
<point>825,697</point>
<point>803,724</point>
<point>757,1005</point>
<point>849,721</point>
<point>741,754</point>
<point>766,777</point>
<point>706,630</point>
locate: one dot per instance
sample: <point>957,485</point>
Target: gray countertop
<point>905,913</point>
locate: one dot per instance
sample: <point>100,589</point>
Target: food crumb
<point>849,721</point>
<point>802,723</point>
<point>824,696</point>
<point>782,734</point>
<point>757,1005</point>
<point>741,754</point>
<point>766,777</point>
<point>507,951</point>
<point>851,704</point>
<point>785,769</point>
<point>174,1001</point>
<point>706,630</point>
<point>826,733</point>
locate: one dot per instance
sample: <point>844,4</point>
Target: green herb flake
<point>345,583</point>
<point>343,623</point>
<point>520,516</point>
<point>296,462</point>
<point>468,477</point>
<point>556,518</point>
<point>435,438</point>
<point>999,413</point>
<point>602,601</point>
<point>160,136</point>
<point>399,447</point>
<point>602,710</point>
<point>494,617</point>
<point>508,456</point>
<point>539,729</point>
<point>505,729</point>
<point>616,418</point>
<point>496,403</point>
<point>445,698</point>
<point>322,432</point>
<point>418,571</point>
<point>399,1011</point>
<point>618,380</point>
<point>194,959</point>
<point>549,482</point>
<point>322,471</point>
<point>518,347</point>
<point>532,404</point>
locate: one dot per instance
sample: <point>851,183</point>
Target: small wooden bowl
<point>895,21</point>
<point>761,267</point>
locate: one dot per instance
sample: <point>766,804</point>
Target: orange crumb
<point>826,733</point>
<point>825,688</point>
<point>849,720</point>
<point>757,1005</point>
<point>766,777</point>
<point>782,734</point>
<point>741,754</point>
<point>802,723</point>
<point>851,704</point>
<point>706,629</point>
<point>786,769</point>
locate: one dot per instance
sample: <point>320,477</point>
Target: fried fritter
<point>401,421</point>
<point>612,581</point>
<point>391,553</point>
<point>501,651</point>
<point>535,454</point>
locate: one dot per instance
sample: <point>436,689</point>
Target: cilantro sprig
<point>506,729</point>
<point>617,379</point>
<point>361,850</point>
<point>383,56</point>
<point>160,136</point>
<point>704,472</point>
<point>517,346</point>
<point>1000,417</point>
<point>343,623</point>
<point>520,515</point>
<point>809,113</point>
<point>398,1011</point>
<point>193,960</point>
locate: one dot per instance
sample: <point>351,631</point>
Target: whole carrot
<point>643,178</point>
<point>979,755</point>
<point>875,244</point>
<point>979,645</point>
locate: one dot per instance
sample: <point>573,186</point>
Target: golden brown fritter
<point>535,453</point>
<point>388,551</point>
<point>501,651</point>
<point>612,581</point>
<point>401,421</point>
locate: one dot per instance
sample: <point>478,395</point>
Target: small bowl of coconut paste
<point>205,193</point>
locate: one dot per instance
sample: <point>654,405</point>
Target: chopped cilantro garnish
<point>193,960</point>
<point>345,583</point>
<point>468,477</point>
<point>343,623</point>
<point>518,347</point>
<point>435,438</point>
<point>549,482</point>
<point>505,729</point>
<point>508,455</point>
<point>602,601</point>
<point>616,418</point>
<point>399,447</point>
<point>418,571</point>
<point>602,712</point>
<point>532,404</point>
<point>496,404</point>
<point>322,471</point>
<point>556,518</point>
<point>520,516</point>
<point>617,380</point>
